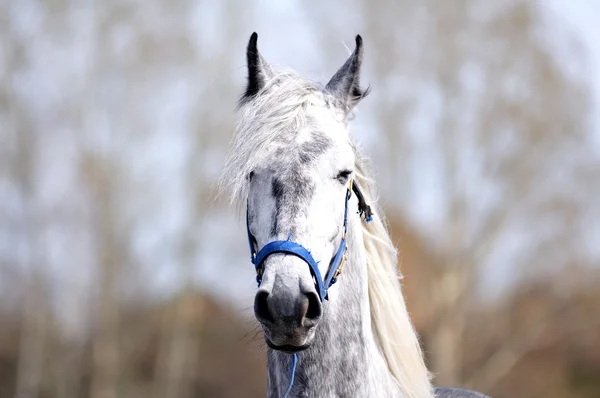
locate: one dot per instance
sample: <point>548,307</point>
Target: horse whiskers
<point>251,335</point>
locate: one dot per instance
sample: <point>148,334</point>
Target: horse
<point>311,210</point>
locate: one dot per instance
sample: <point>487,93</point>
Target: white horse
<point>305,186</point>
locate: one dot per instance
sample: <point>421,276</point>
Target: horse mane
<point>390,320</point>
<point>275,115</point>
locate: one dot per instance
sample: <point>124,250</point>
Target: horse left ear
<point>259,71</point>
<point>345,84</point>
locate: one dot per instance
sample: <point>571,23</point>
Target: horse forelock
<point>275,129</point>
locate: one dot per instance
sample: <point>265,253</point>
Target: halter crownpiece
<point>296,249</point>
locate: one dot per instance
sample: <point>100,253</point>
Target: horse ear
<point>259,70</point>
<point>345,84</point>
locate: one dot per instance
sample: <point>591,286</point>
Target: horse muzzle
<point>288,313</point>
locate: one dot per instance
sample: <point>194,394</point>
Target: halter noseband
<point>296,249</point>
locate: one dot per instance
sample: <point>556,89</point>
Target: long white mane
<point>390,320</point>
<point>278,113</point>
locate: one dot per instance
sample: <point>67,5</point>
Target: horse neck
<point>344,359</point>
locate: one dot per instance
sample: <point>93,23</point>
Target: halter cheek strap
<point>295,249</point>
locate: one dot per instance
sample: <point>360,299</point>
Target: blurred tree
<point>20,163</point>
<point>111,246</point>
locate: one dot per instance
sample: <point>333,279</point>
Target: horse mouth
<point>287,348</point>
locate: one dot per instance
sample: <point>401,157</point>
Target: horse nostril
<point>314,310</point>
<point>261,308</point>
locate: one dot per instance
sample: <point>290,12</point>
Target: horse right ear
<point>345,84</point>
<point>259,71</point>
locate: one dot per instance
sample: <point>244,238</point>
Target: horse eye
<point>250,175</point>
<point>343,176</point>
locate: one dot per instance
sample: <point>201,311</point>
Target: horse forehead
<point>291,166</point>
<point>291,180</point>
<point>299,151</point>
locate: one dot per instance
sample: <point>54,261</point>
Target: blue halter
<point>296,249</point>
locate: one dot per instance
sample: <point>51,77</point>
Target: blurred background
<point>121,275</point>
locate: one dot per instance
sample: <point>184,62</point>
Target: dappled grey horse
<point>329,298</point>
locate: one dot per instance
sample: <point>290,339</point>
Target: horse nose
<point>281,306</point>
<point>314,309</point>
<point>261,308</point>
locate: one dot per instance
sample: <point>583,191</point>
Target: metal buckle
<point>259,275</point>
<point>341,266</point>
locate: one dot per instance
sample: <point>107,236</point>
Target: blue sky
<point>583,17</point>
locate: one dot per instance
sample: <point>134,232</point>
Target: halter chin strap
<point>293,248</point>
